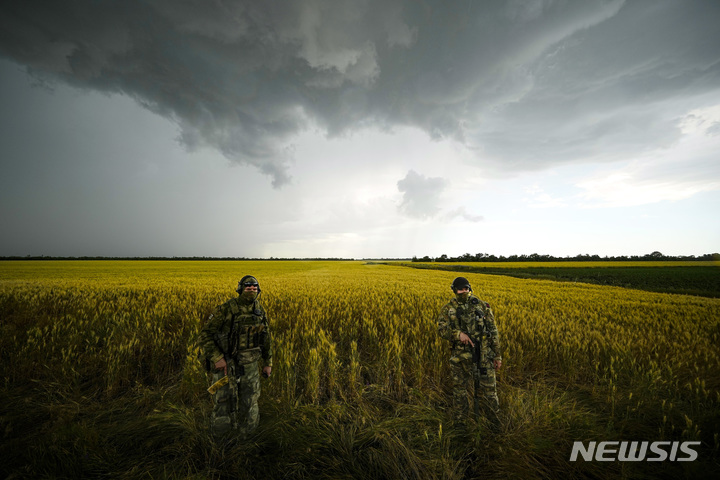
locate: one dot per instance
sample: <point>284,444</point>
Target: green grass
<point>701,280</point>
<point>156,432</point>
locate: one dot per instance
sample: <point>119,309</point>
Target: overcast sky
<point>349,128</point>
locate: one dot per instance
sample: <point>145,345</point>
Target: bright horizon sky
<point>359,129</point>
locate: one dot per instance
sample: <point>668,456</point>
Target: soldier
<point>468,323</point>
<point>234,338</point>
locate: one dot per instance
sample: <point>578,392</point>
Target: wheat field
<point>101,376</point>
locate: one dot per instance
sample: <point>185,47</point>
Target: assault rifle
<point>477,353</point>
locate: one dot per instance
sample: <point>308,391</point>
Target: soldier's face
<point>250,288</point>
<point>460,291</point>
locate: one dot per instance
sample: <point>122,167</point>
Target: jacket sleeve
<point>446,326</point>
<point>207,336</point>
<point>491,326</point>
<point>266,343</point>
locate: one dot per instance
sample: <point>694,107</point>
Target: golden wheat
<point>340,328</point>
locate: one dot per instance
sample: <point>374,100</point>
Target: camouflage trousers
<point>236,404</point>
<point>476,383</point>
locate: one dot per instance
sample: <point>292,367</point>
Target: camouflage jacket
<point>474,318</point>
<point>237,331</point>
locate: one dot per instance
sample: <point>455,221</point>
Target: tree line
<point>45,257</point>
<point>534,257</point>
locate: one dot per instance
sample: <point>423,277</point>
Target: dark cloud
<point>617,89</point>
<point>525,83</point>
<point>421,195</point>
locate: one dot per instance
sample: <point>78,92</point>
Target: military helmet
<point>247,281</point>
<point>460,282</point>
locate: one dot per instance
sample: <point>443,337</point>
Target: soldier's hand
<point>497,364</point>
<point>221,365</point>
<point>267,371</point>
<point>465,339</point>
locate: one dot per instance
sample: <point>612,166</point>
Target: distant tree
<point>534,257</point>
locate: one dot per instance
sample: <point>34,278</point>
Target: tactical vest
<point>468,317</point>
<point>242,332</point>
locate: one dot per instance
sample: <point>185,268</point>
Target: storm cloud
<point>524,84</point>
<point>421,195</point>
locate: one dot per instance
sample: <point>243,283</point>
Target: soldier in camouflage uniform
<point>468,322</point>
<point>233,340</point>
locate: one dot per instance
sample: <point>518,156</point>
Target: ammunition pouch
<point>249,355</point>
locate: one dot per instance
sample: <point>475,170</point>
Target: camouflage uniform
<point>237,331</point>
<point>474,318</point>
